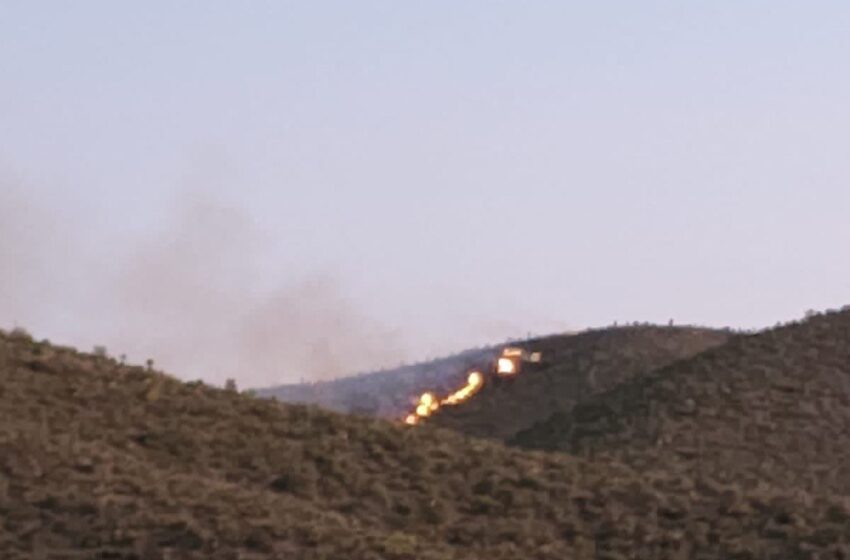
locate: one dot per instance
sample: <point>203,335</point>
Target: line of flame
<point>428,403</point>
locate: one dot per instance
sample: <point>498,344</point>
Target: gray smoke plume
<point>200,298</point>
<point>33,254</point>
<point>18,260</point>
<point>196,296</point>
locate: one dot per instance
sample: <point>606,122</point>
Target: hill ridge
<point>779,396</point>
<point>574,368</point>
<point>112,461</point>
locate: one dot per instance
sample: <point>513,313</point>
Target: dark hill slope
<point>772,407</point>
<point>575,368</point>
<point>103,461</point>
<point>385,393</point>
<point>590,361</point>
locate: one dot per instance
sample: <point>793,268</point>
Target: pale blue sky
<point>450,173</point>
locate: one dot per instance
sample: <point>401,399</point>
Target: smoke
<point>204,292</point>
<point>17,261</point>
<point>199,298</point>
<point>196,295</point>
<point>33,254</point>
<point>312,327</point>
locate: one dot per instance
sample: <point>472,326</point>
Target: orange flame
<point>473,384</point>
<point>427,404</point>
<point>505,366</point>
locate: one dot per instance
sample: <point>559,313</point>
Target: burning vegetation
<point>508,364</point>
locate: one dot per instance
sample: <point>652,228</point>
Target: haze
<point>272,191</point>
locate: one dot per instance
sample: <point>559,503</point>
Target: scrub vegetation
<point>104,460</point>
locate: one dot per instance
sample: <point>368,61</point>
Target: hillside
<point>98,460</point>
<point>582,364</point>
<point>575,368</point>
<point>386,394</point>
<point>767,408</point>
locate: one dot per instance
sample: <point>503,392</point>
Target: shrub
<point>400,545</point>
<point>20,333</point>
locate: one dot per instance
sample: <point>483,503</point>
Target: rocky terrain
<point>101,460</point>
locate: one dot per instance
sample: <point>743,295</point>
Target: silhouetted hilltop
<point>773,407</point>
<point>99,460</point>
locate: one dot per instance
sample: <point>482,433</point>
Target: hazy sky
<point>276,190</point>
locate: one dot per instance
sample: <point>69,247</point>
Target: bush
<point>20,333</point>
<point>400,545</point>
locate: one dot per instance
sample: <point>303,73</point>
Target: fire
<point>427,404</point>
<point>505,366</point>
<point>508,364</point>
<point>473,383</point>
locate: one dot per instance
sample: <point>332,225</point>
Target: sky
<point>277,191</point>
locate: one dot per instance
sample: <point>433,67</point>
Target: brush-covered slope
<point>772,407</point>
<point>99,460</point>
<point>575,368</point>
<point>385,393</point>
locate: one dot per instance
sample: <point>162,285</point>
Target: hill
<point>584,363</point>
<point>767,408</point>
<point>575,368</point>
<point>387,393</point>
<point>100,460</point>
